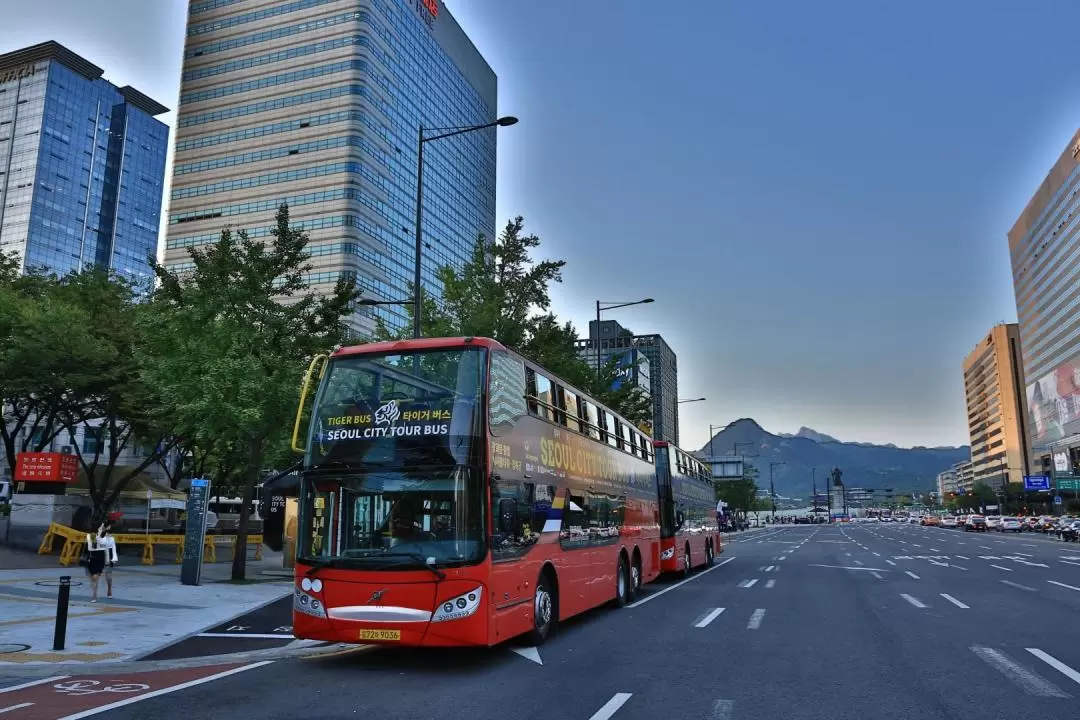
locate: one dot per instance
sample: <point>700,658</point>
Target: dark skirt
<point>97,561</point>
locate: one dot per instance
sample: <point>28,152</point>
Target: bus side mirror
<point>507,515</point>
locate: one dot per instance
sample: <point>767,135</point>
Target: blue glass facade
<point>82,165</point>
<point>318,103</point>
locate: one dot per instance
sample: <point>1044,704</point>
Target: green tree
<point>740,495</point>
<point>234,336</point>
<point>502,293</point>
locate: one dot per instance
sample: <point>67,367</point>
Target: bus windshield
<point>396,410</point>
<point>400,519</point>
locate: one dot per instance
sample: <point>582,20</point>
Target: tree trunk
<point>254,469</point>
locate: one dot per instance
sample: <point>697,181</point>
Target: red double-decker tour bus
<point>455,493</point>
<point>690,535</point>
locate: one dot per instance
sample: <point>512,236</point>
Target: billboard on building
<point>1054,404</point>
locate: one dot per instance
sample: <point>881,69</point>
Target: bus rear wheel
<point>687,562</point>
<point>708,555</point>
<point>623,582</point>
<point>544,604</point>
<point>635,576</point>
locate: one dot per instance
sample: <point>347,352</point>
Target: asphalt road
<point>801,622</point>
<point>267,627</point>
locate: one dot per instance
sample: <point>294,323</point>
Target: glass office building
<point>318,104</point>
<point>82,165</point>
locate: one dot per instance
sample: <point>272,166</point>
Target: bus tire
<point>545,610</point>
<point>687,561</point>
<point>622,582</point>
<point>708,554</point>
<point>635,575</point>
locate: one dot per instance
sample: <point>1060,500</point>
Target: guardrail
<point>75,540</point>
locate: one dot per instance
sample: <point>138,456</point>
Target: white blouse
<point>107,544</point>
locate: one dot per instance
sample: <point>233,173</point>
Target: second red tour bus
<point>455,493</point>
<point>690,535</point>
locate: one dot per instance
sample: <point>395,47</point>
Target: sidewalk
<point>150,608</point>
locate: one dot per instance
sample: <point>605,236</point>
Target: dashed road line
<point>770,568</point>
<point>722,710</point>
<point>1001,567</point>
<point>669,588</point>
<point>954,601</point>
<point>1061,584</point>
<point>1028,680</point>
<point>708,617</point>
<point>1056,664</point>
<point>890,562</point>
<point>770,583</point>
<point>747,584</point>
<point>877,575</point>
<point>914,601</point>
<point>911,574</point>
<point>755,619</point>
<point>1018,586</point>
<point>611,706</point>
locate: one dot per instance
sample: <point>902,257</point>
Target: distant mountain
<point>863,465</point>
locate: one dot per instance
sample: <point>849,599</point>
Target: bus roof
<point>389,346</point>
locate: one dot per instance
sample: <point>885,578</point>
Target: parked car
<point>975,523</point>
<point>1011,524</point>
<point>949,522</point>
<point>993,522</point>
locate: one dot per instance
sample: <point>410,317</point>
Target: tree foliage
<point>502,293</point>
<point>70,359</point>
<point>234,336</point>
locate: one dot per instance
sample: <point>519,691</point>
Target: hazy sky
<point>816,194</point>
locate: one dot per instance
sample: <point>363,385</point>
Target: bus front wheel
<point>544,608</point>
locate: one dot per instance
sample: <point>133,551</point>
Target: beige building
<point>319,104</point>
<point>994,386</point>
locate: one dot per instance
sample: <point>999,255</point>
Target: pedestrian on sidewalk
<point>102,549</point>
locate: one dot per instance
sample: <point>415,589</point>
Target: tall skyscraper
<point>994,388</point>
<point>657,370</point>
<point>318,104</point>
<point>82,165</point>
<point>1045,248</point>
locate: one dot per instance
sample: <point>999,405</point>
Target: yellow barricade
<point>74,540</point>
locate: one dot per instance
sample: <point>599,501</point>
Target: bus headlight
<point>458,607</point>
<point>307,604</point>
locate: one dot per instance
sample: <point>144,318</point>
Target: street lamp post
<point>772,487</point>
<point>422,138</point>
<point>601,306</point>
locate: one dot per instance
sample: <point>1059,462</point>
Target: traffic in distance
<point>454,493</point>
<point>1065,528</point>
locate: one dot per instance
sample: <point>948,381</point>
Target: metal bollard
<point>60,632</point>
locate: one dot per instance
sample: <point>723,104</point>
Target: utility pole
<point>772,487</point>
<point>813,501</point>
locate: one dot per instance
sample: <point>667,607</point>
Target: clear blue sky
<point>816,194</point>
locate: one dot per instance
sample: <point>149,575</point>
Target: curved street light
<point>601,306</point>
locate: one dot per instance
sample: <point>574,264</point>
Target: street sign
<point>1057,499</point>
<point>1067,483</point>
<point>1036,482</point>
<point>195,531</point>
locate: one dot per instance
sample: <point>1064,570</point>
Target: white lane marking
<point>877,575</point>
<point>1024,554</point>
<point>257,636</point>
<point>722,710</point>
<point>911,574</point>
<point>1000,567</point>
<point>611,706</point>
<point>746,584</point>
<point>12,708</point>
<point>847,554</point>
<point>770,568</point>
<point>935,549</point>
<point>857,562</point>
<point>32,683</point>
<point>1061,584</point>
<point>1010,583</point>
<point>164,691</point>
<point>783,557</point>
<point>1030,681</point>
<point>912,600</point>
<point>755,619</point>
<point>890,562</point>
<point>986,547</point>
<point>954,601</point>
<point>1056,664</point>
<point>1028,544</point>
<point>701,574</point>
<point>916,544</point>
<point>877,554</point>
<point>1069,562</point>
<point>709,617</point>
<point>770,583</point>
<point>529,653</point>
<point>963,557</point>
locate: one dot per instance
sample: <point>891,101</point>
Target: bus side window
<point>559,401</point>
<point>507,394</point>
<point>574,532</point>
<point>512,504</point>
<point>573,412</point>
<point>592,420</point>
<point>609,429</point>
<point>543,395</point>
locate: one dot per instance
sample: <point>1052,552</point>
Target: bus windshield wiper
<point>418,557</point>
<point>320,563</point>
<point>331,465</point>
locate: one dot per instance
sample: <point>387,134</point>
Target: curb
<point>34,672</point>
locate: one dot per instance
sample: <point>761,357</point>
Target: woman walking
<point>102,549</point>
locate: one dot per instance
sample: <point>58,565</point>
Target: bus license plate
<point>384,635</point>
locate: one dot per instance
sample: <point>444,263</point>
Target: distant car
<point>1011,524</point>
<point>949,522</point>
<point>975,523</point>
<point>931,520</point>
<point>993,522</point>
<point>1070,531</point>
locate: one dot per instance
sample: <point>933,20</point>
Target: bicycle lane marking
<point>81,696</point>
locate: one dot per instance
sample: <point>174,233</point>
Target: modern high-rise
<point>82,165</point>
<point>660,361</point>
<point>318,104</point>
<point>994,388</point>
<point>1045,248</point>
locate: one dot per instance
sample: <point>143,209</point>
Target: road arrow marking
<point>529,653</point>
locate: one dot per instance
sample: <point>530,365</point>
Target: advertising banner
<point>46,467</point>
<point>1054,404</point>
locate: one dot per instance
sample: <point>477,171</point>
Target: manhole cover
<point>7,649</point>
<point>55,583</point>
